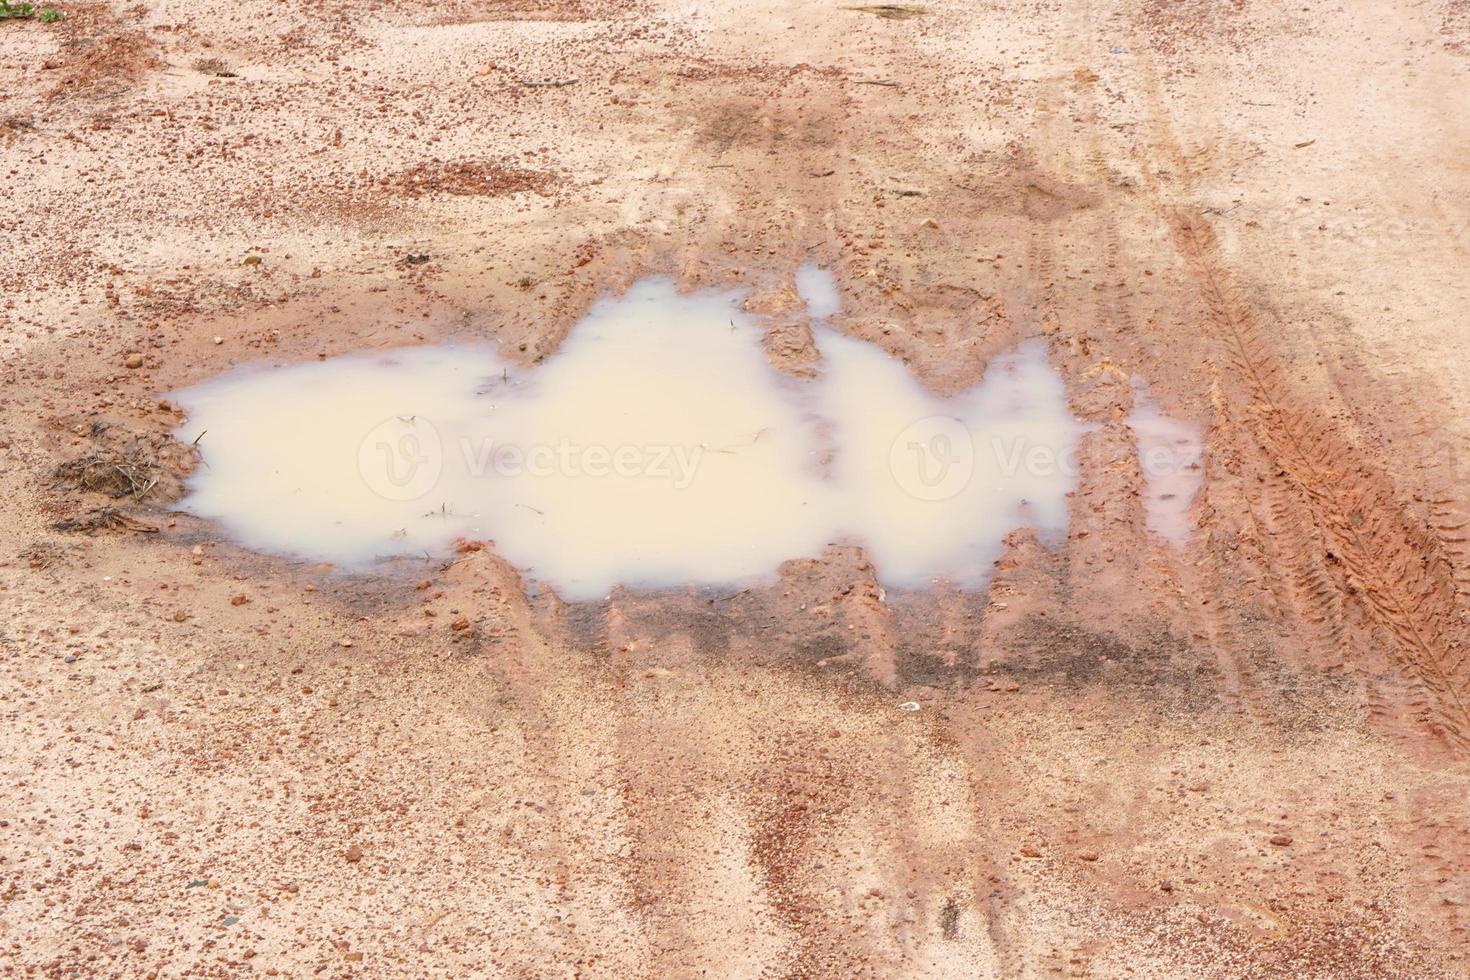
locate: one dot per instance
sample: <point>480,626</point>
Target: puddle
<point>818,290</point>
<point>1171,455</point>
<point>656,449</point>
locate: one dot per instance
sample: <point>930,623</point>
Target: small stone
<point>133,361</point>
<point>1281,840</point>
<point>344,643</point>
<point>218,341</point>
<point>253,260</point>
<point>180,616</point>
<point>1166,886</point>
<point>353,854</point>
<point>1087,856</point>
<point>238,600</point>
<point>1030,852</point>
<point>69,658</point>
<point>460,624</point>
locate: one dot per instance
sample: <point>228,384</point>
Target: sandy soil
<point>1247,757</point>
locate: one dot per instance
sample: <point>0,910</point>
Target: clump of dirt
<point>472,178</point>
<point>891,11</point>
<point>101,56</point>
<point>135,468</point>
<point>215,67</point>
<point>791,349</point>
<point>104,519</point>
<point>122,464</point>
<point>115,474</point>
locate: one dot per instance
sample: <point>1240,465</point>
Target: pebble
<point>1030,852</point>
<point>1281,840</point>
<point>1088,856</point>
<point>133,361</point>
<point>353,854</point>
<point>238,600</point>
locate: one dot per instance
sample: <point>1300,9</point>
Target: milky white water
<point>818,290</point>
<point>657,448</point>
<point>1171,455</point>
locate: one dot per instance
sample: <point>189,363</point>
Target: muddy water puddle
<point>656,448</point>
<point>1171,455</point>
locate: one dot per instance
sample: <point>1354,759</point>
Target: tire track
<point>1451,525</point>
<point>1387,558</point>
<point>1297,546</point>
<point>1339,523</point>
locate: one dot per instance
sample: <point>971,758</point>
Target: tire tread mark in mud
<point>1392,562</point>
<point>1318,600</point>
<point>1452,526</point>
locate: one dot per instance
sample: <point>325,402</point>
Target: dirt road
<point>1242,757</point>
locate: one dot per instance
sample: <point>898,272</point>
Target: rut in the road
<point>1389,558</point>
